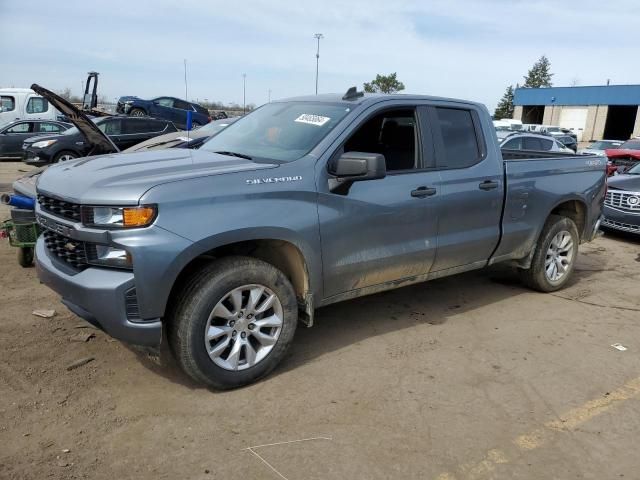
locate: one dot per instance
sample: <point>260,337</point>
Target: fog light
<point>111,257</point>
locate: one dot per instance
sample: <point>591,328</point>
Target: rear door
<point>163,108</point>
<point>181,107</point>
<point>379,231</point>
<point>471,192</point>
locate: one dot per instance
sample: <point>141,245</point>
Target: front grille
<point>131,304</point>
<point>60,208</point>
<point>626,227</point>
<point>72,252</point>
<point>623,200</point>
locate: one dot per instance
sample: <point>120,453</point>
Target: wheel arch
<point>575,209</point>
<point>284,254</point>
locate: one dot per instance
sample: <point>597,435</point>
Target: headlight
<point>119,217</point>
<point>111,257</point>
<point>128,102</point>
<point>43,143</point>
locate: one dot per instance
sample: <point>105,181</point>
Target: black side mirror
<point>355,167</point>
<point>358,166</point>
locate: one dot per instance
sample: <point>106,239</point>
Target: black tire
<point>137,112</point>
<point>188,315</point>
<point>536,276</point>
<point>59,156</point>
<point>25,256</point>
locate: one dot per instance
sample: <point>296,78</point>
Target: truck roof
<point>370,98</point>
<point>16,90</point>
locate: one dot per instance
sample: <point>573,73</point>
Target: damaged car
<point>168,108</point>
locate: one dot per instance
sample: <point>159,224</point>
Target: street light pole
<point>317,36</point>
<point>244,93</point>
<point>269,96</point>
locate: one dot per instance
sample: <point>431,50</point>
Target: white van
<point>24,104</point>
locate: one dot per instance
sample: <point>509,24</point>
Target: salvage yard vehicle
<point>24,104</point>
<point>167,108</point>
<point>622,202</point>
<point>598,147</point>
<point>533,142</point>
<point>624,157</point>
<point>123,131</point>
<point>300,204</point>
<point>15,133</point>
<point>180,139</point>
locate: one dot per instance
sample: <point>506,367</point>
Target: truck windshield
<point>279,131</point>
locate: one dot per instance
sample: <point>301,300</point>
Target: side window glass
<point>181,105</point>
<point>24,127</point>
<point>513,144</point>
<point>135,125</point>
<point>547,144</point>
<point>111,127</point>
<point>37,105</point>
<point>532,143</point>
<point>391,133</point>
<point>459,138</point>
<point>7,103</point>
<point>49,127</point>
<point>165,102</point>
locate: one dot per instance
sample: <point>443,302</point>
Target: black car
<point>622,202</point>
<point>13,134</point>
<point>568,141</point>
<point>123,131</point>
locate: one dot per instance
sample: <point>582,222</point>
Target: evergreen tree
<point>505,106</point>
<point>540,74</point>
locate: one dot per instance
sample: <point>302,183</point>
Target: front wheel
<point>64,157</point>
<point>554,257</point>
<point>137,112</point>
<point>233,322</point>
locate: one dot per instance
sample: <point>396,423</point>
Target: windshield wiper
<point>235,154</point>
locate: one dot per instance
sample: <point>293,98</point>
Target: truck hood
<point>123,178</point>
<point>625,182</point>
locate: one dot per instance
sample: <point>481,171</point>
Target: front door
<point>380,231</point>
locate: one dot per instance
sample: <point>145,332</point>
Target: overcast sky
<point>456,48</point>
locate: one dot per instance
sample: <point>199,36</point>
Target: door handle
<point>421,192</point>
<point>488,185</point>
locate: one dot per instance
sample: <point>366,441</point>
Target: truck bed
<point>534,183</point>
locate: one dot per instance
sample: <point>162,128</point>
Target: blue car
<point>166,108</point>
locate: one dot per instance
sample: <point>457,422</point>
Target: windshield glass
<point>604,145</point>
<point>279,131</point>
<point>631,145</point>
<point>74,130</point>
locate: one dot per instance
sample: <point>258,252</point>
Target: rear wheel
<point>195,125</point>
<point>555,255</point>
<point>137,112</point>
<point>64,156</point>
<point>233,322</point>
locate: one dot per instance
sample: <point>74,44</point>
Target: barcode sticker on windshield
<point>317,120</point>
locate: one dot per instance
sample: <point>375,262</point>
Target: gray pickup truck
<point>300,204</point>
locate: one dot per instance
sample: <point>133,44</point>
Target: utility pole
<point>244,93</point>
<point>269,96</point>
<point>317,36</point>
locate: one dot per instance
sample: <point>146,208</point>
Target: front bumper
<point>621,220</point>
<point>98,296</point>
<point>39,157</point>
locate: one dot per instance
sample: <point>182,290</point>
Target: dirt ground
<point>468,377</point>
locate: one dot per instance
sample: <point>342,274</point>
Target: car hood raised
<point>123,178</point>
<point>625,182</point>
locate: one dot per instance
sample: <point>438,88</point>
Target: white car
<point>24,104</point>
<point>532,141</point>
<point>598,147</point>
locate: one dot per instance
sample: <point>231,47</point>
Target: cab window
<point>459,139</point>
<point>7,103</point>
<point>391,133</point>
<point>37,105</point>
